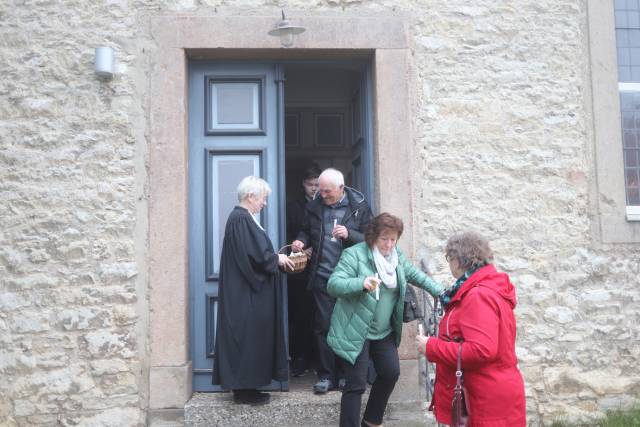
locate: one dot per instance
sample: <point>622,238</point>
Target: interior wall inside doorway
<point>319,119</point>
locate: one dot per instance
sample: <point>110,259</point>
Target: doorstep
<point>300,407</point>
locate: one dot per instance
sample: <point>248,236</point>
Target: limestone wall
<point>501,129</point>
<point>72,218</point>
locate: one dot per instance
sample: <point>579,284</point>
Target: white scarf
<point>255,219</point>
<point>386,267</point>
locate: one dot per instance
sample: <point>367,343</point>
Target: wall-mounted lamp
<point>105,62</point>
<point>286,31</point>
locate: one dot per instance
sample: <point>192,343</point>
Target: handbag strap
<point>459,387</point>
<point>459,368</point>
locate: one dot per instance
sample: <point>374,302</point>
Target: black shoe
<point>250,397</point>
<point>299,368</point>
<point>322,386</point>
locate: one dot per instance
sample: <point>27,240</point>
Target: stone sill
<point>633,213</point>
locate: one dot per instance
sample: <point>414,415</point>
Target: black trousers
<point>327,365</point>
<point>384,355</point>
<point>300,317</point>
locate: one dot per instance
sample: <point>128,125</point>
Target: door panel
<point>233,132</point>
<point>235,105</point>
<point>362,151</point>
<point>224,172</point>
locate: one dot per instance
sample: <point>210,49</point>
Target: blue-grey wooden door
<point>235,130</point>
<point>362,150</point>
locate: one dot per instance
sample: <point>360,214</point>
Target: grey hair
<point>470,249</point>
<point>252,185</point>
<point>334,176</point>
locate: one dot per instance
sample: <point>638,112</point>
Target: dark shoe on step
<point>299,368</point>
<point>250,397</point>
<point>322,386</point>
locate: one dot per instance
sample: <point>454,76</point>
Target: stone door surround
<point>178,38</point>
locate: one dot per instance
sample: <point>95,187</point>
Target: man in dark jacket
<point>334,221</point>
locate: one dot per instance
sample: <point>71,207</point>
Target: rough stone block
<point>170,387</point>
<point>106,343</point>
<point>114,417</point>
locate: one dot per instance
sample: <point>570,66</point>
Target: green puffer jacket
<point>354,309</point>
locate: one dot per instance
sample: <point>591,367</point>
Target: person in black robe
<point>250,348</point>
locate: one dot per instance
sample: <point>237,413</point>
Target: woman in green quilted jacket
<point>369,283</point>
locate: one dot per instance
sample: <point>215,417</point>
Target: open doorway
<point>327,124</point>
<point>327,110</point>
<point>327,119</point>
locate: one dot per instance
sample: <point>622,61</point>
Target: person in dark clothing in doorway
<point>300,301</point>
<point>250,348</point>
<point>332,222</point>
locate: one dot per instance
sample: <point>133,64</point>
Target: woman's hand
<point>286,262</point>
<point>370,283</point>
<point>421,343</point>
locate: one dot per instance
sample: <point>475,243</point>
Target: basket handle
<point>284,247</point>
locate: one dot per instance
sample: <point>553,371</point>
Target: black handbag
<point>459,404</point>
<point>412,310</point>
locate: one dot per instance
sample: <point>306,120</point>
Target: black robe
<point>250,347</point>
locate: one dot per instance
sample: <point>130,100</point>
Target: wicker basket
<point>299,260</point>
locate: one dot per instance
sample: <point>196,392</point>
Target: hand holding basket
<point>299,260</point>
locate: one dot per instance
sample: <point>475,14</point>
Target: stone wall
<point>72,221</point>
<point>502,131</point>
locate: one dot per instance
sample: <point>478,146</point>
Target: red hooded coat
<point>481,313</point>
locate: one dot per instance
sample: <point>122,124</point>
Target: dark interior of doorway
<point>319,130</point>
<point>319,119</point>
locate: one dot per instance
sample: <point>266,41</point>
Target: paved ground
<point>297,407</point>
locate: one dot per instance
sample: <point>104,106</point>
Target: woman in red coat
<point>478,311</point>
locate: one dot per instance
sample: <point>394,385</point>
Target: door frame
<point>178,38</point>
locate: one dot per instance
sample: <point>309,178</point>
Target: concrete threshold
<point>300,407</point>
